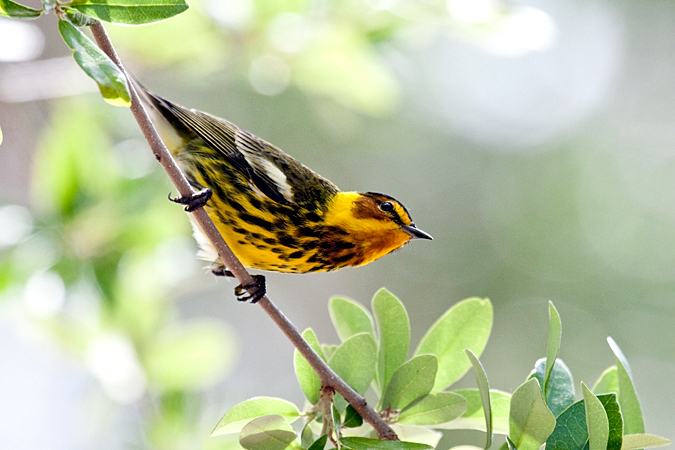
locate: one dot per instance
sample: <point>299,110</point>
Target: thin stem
<point>327,376</point>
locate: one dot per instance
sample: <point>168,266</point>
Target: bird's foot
<point>194,201</point>
<point>243,295</point>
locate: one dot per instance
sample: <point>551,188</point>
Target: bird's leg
<point>196,200</point>
<point>241,292</point>
<point>219,270</point>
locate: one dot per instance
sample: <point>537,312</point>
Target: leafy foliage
<point>528,417</point>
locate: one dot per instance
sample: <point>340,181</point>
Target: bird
<point>273,212</point>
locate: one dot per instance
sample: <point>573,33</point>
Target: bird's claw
<point>243,295</point>
<point>194,201</point>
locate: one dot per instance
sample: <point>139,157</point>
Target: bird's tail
<point>156,107</point>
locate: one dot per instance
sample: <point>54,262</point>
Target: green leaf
<point>433,409</point>
<point>307,435</point>
<point>268,433</point>
<point>319,444</point>
<point>530,421</point>
<point>484,389</point>
<point>352,418</point>
<point>393,329</point>
<point>354,362</point>
<point>613,411</point>
<point>466,325</point>
<point>607,382</point>
<point>560,394</point>
<point>78,19</point>
<point>192,356</point>
<point>361,443</point>
<point>336,421</point>
<point>110,79</point>
<point>307,377</point>
<point>597,423</point>
<point>641,440</point>
<point>411,381</point>
<point>349,317</point>
<point>474,417</point>
<point>12,9</point>
<point>509,444</point>
<point>242,413</point>
<point>130,12</point>
<point>571,431</point>
<point>554,337</point>
<point>633,422</point>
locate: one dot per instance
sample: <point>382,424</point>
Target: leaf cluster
<point>80,13</point>
<point>411,393</point>
<point>373,357</point>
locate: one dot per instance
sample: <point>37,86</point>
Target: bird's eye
<point>386,206</point>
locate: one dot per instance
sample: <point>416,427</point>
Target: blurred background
<point>534,140</point>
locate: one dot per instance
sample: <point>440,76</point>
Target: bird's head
<point>378,223</point>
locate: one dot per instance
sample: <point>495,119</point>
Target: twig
<point>327,376</point>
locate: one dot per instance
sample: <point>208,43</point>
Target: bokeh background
<point>534,140</point>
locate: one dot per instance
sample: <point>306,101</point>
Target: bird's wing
<point>254,158</point>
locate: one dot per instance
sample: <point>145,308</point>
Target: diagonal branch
<point>327,376</point>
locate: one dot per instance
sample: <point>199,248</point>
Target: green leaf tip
<point>607,382</point>
<point>641,440</point>
<point>554,339</point>
<point>597,423</point>
<point>130,12</point>
<point>628,399</point>
<point>242,413</point>
<point>15,10</point>
<point>319,444</point>
<point>466,324</point>
<point>349,317</point>
<point>484,389</point>
<point>393,329</point>
<point>530,421</point>
<point>111,81</point>
<point>307,378</point>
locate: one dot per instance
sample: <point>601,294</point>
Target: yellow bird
<point>274,213</point>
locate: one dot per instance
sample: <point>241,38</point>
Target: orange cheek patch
<point>366,208</point>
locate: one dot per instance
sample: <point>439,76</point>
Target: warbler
<point>273,212</point>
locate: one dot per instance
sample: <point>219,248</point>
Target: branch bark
<point>327,376</point>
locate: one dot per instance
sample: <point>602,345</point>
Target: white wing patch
<point>262,164</point>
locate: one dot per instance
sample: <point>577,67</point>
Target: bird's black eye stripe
<point>386,206</point>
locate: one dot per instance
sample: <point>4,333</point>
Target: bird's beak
<point>416,233</point>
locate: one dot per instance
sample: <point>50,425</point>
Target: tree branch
<point>327,376</point>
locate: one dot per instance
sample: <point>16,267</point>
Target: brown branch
<point>327,376</point>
